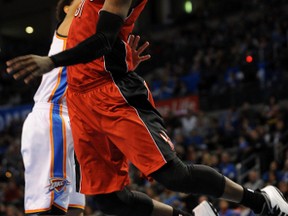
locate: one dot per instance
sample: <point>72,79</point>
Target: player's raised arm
<point>111,19</point>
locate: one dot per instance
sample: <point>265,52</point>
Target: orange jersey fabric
<point>83,26</point>
<point>108,132</point>
<point>112,113</point>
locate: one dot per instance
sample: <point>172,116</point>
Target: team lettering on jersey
<point>58,184</point>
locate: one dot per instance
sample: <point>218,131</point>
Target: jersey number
<point>79,10</point>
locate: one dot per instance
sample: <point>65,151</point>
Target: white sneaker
<point>205,209</point>
<point>276,204</point>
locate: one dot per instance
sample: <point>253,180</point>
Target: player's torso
<point>120,59</point>
<point>54,84</point>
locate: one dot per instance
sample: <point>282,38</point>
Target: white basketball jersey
<point>53,85</point>
<point>47,145</point>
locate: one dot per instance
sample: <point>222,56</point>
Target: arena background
<point>218,73</point>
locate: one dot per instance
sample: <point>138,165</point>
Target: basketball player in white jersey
<point>47,146</point>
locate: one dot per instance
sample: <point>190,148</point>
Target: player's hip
<point>129,89</point>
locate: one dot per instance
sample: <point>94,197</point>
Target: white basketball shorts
<point>48,155</point>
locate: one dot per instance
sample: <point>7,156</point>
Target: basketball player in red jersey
<point>107,101</point>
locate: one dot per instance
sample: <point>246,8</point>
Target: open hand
<point>29,67</point>
<point>136,52</point>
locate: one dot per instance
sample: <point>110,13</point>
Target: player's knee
<point>173,183</point>
<point>125,203</point>
<point>189,178</point>
<point>173,175</point>
<point>106,202</point>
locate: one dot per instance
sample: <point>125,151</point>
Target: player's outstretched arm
<point>29,67</point>
<point>137,51</point>
<point>111,19</point>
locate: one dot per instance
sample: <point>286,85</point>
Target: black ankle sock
<point>253,199</point>
<point>178,212</point>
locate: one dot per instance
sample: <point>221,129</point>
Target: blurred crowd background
<point>232,57</point>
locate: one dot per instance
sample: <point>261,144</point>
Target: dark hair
<point>60,14</point>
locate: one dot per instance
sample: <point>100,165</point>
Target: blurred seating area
<point>236,64</point>
<point>239,57</point>
<point>247,144</point>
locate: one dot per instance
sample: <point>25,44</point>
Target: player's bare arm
<point>34,66</point>
<point>110,21</point>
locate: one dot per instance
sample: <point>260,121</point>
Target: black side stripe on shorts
<point>135,93</point>
<point>77,174</point>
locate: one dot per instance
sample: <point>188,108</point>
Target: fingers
<point>17,59</point>
<point>143,47</point>
<point>29,78</point>
<point>135,42</point>
<point>130,40</point>
<point>22,67</point>
<point>145,58</point>
<point>17,64</point>
<point>25,72</point>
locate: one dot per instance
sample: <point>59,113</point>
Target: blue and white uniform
<point>47,145</point>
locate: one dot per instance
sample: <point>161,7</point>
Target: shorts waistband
<point>88,86</point>
<point>47,106</point>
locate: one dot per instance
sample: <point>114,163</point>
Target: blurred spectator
<point>189,122</point>
<point>254,182</point>
<point>11,210</point>
<point>227,168</point>
<point>284,172</point>
<point>171,198</point>
<point>2,209</point>
<point>273,175</point>
<point>244,148</point>
<point>196,140</point>
<point>225,210</point>
<point>283,187</point>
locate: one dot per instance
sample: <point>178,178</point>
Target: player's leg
<point>149,147</point>
<point>204,180</point>
<point>37,157</point>
<point>76,199</point>
<point>104,168</point>
<point>53,211</point>
<point>131,203</point>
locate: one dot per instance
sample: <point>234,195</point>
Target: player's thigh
<point>36,154</point>
<point>132,123</point>
<point>103,167</point>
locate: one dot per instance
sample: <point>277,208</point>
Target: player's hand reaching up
<point>137,51</point>
<point>29,67</point>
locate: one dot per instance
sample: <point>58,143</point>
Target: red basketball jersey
<point>83,26</point>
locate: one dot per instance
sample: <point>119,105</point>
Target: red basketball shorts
<point>111,124</point>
